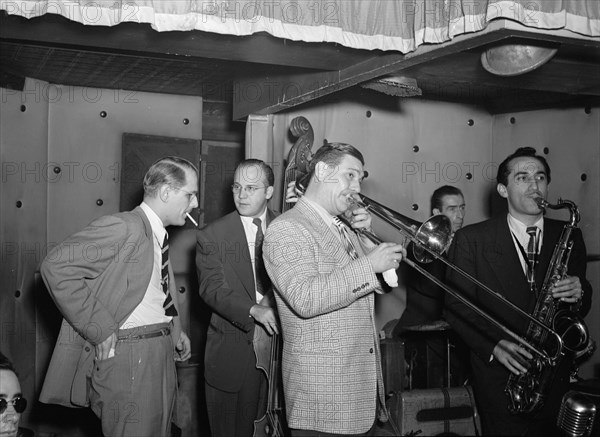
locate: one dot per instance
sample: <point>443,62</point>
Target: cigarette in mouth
<point>191,219</point>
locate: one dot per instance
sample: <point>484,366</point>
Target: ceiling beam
<point>266,95</point>
<point>141,40</point>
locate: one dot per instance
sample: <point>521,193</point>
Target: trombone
<point>430,240</point>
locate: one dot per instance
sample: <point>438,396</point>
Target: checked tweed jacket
<point>331,362</point>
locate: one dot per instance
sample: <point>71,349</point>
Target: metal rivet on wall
<point>103,114</point>
<point>513,120</point>
<point>469,176</point>
<point>369,114</point>
<point>23,108</point>
<point>186,121</point>
<point>99,202</point>
<point>415,149</point>
<point>19,204</point>
<point>18,293</point>
<point>56,170</point>
<point>415,207</point>
<point>588,110</point>
<point>546,150</point>
<point>470,122</point>
<point>583,177</point>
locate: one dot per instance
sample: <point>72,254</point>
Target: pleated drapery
<point>398,25</point>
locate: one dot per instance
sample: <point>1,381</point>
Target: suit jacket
<point>424,299</point>
<point>227,286</point>
<point>486,251</point>
<point>331,362</point>
<point>97,277</point>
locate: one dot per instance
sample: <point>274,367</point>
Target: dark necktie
<point>168,305</point>
<point>262,279</point>
<point>343,230</point>
<point>531,256</point>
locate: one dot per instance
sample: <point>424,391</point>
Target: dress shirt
<point>521,237</point>
<point>151,310</point>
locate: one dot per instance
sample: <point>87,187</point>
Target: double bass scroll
<point>298,157</point>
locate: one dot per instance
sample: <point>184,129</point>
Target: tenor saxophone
<point>527,392</point>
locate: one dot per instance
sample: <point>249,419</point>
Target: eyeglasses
<point>249,189</point>
<point>18,403</point>
<point>189,194</point>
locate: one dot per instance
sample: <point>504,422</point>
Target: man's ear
<point>436,211</point>
<point>269,193</point>
<point>163,193</point>
<point>502,190</point>
<point>321,171</point>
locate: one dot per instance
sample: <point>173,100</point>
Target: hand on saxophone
<point>512,356</point>
<point>568,289</point>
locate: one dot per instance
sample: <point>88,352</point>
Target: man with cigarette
<point>121,333</point>
<point>234,284</point>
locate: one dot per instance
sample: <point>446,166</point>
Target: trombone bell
<point>434,234</point>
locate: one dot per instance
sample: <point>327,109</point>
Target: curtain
<point>398,25</point>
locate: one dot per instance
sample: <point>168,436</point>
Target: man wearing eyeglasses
<point>12,402</point>
<point>121,333</point>
<point>234,284</point>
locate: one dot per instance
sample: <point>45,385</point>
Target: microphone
<point>576,415</point>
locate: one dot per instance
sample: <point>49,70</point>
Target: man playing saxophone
<point>511,255</point>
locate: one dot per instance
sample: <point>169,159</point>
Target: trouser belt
<point>140,333</point>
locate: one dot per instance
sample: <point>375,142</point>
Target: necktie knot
<point>532,231</point>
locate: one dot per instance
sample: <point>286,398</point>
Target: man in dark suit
<point>234,284</point>
<point>426,335</point>
<point>424,299</point>
<point>511,254</point>
<point>121,331</point>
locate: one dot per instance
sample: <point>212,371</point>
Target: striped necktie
<point>531,256</point>
<point>343,230</point>
<point>168,305</point>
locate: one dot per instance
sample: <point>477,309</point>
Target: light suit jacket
<point>227,286</point>
<point>331,362</point>
<point>97,277</point>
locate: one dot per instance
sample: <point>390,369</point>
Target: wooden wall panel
<point>23,132</point>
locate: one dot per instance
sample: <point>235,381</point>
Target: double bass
<point>268,348</point>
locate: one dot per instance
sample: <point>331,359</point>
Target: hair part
<point>332,154</point>
<point>170,171</point>
<point>504,169</point>
<point>440,193</point>
<point>265,171</point>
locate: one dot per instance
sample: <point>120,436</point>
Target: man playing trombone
<point>511,255</point>
<point>324,280</point>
